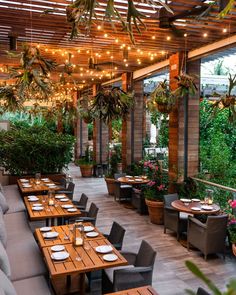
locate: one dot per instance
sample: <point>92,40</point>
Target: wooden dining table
<point>146,290</point>
<point>82,259</point>
<point>134,180</point>
<point>34,188</point>
<point>187,207</point>
<point>49,212</point>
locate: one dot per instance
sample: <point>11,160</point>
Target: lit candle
<point>78,241</point>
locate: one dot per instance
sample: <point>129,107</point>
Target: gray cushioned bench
<point>26,263</point>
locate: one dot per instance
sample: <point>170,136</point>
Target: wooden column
<point>100,138</point>
<point>81,134</point>
<point>176,125</point>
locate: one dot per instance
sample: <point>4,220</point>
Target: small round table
<point>133,180</point>
<point>187,208</point>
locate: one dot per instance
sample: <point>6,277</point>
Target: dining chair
<point>208,237</point>
<point>201,291</point>
<point>122,191</point>
<point>69,191</point>
<point>62,182</point>
<point>173,219</point>
<point>116,235</point>
<point>82,203</point>
<point>137,273</point>
<point>90,215</point>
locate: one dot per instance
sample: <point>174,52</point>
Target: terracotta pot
<point>156,211</point>
<point>86,170</point>
<point>110,185</point>
<point>234,249</point>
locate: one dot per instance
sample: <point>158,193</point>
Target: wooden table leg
<point>82,283</point>
<point>68,281</point>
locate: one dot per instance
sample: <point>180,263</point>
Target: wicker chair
<point>208,237</point>
<point>201,291</point>
<point>82,203</point>
<point>116,235</point>
<point>122,191</point>
<point>172,218</point>
<point>69,191</point>
<point>137,274</point>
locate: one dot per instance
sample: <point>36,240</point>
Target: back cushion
<point>3,232</point>
<point>6,285</point>
<point>4,261</point>
<point>3,203</point>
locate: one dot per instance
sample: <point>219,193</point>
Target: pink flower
<point>232,221</point>
<point>145,164</point>
<point>151,183</point>
<point>156,168</point>
<point>160,187</point>
<point>233,204</point>
<point>150,166</point>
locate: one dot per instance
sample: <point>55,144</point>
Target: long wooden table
<point>146,290</point>
<point>49,212</point>
<point>65,235</point>
<point>36,188</point>
<point>90,260</point>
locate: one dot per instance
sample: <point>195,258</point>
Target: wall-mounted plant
<point>228,100</point>
<point>162,98</point>
<point>186,85</point>
<point>111,104</point>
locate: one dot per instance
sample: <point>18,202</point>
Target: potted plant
<point>162,98</point>
<point>232,225</point>
<point>114,159</point>
<point>186,85</point>
<point>86,163</point>
<point>154,191</point>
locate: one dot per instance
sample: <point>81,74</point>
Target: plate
<point>196,209</point>
<point>50,184</point>
<point>64,199</point>
<point>37,208</point>
<point>23,180</point>
<point>88,228</point>
<point>26,185</point>
<point>33,199</point>
<point>130,180</point>
<point>207,208</point>
<point>45,229</point>
<point>72,209</point>
<point>104,249</point>
<point>92,234</point>
<point>50,235</point>
<point>37,205</point>
<point>138,179</point>
<point>60,255</point>
<point>68,206</point>
<point>185,200</point>
<point>128,176</point>
<point>110,257</point>
<point>45,179</point>
<point>57,248</point>
<point>196,200</point>
<point>59,196</point>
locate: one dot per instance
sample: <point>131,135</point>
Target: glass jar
<point>51,197</point>
<point>209,194</point>
<point>78,234</point>
<point>37,178</point>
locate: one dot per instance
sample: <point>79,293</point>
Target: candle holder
<point>51,198</point>
<point>78,234</point>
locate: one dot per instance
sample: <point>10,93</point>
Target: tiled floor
<point>170,274</point>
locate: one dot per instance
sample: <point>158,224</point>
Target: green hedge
<point>28,150</point>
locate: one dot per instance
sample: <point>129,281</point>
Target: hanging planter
<point>186,85</point>
<point>162,99</point>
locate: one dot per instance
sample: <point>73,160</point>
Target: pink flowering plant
<point>232,221</point>
<point>156,188</point>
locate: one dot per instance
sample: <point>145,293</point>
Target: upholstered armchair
<point>208,237</point>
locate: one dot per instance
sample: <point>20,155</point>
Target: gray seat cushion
<point>110,271</point>
<point>32,286</point>
<point>126,186</point>
<point>6,285</point>
<point>13,197</point>
<point>4,261</point>
<point>3,203</point>
<point>22,250</point>
<point>3,232</point>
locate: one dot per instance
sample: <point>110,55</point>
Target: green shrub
<point>28,150</point>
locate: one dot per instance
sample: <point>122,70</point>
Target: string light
<point>185,35</point>
<point>225,30</point>
<point>205,35</point>
<point>168,38</point>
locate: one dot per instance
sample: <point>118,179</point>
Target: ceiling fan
<point>167,19</point>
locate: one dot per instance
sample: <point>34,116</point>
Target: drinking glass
<point>37,178</point>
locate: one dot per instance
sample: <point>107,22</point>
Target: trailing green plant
<point>111,104</point>
<point>27,150</point>
<point>114,158</point>
<point>87,159</point>
<point>231,286</point>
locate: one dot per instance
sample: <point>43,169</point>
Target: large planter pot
<point>86,170</point>
<point>156,211</point>
<point>110,185</point>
